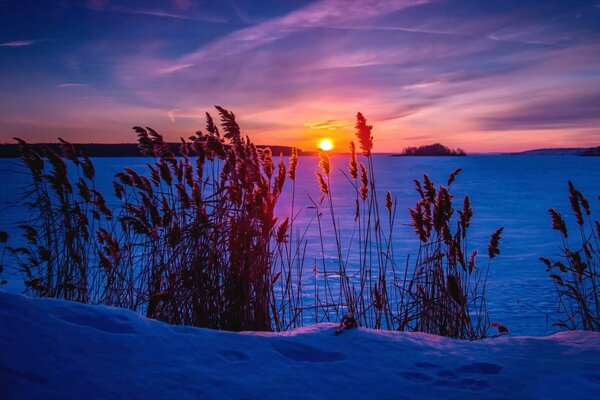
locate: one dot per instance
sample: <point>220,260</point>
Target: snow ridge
<point>58,349</point>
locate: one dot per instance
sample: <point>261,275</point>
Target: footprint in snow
<point>426,365</point>
<point>480,368</point>
<point>303,352</point>
<point>416,376</point>
<point>234,355</point>
<point>110,324</point>
<point>435,375</point>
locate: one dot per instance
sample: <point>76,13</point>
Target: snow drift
<point>57,349</point>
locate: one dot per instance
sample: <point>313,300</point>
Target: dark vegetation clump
<point>186,244</point>
<point>435,149</point>
<point>443,294</point>
<point>446,293</point>
<point>576,271</point>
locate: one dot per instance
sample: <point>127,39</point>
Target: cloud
<point>164,14</point>
<point>171,114</point>
<point>547,111</point>
<point>318,14</point>
<point>73,85</point>
<point>453,71</point>
<point>191,14</point>
<point>18,43</point>
<point>331,124</point>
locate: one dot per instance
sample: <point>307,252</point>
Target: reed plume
<point>293,164</point>
<point>493,248</point>
<point>364,182</point>
<point>352,164</point>
<point>324,162</point>
<point>322,184</point>
<point>557,222</point>
<point>363,133</point>
<point>388,201</point>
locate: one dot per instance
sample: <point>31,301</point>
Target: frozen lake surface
<point>510,191</point>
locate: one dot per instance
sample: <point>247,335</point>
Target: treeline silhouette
<point>110,149</point>
<point>436,149</point>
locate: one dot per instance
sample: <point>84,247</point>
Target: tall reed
<point>444,293</point>
<point>65,211</point>
<point>195,240</point>
<point>188,244</point>
<point>576,272</point>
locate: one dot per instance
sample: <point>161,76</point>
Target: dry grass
<point>195,240</point>
<point>576,273</point>
<point>446,293</point>
<point>187,245</point>
<point>443,294</point>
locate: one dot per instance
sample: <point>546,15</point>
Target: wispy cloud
<point>18,43</point>
<point>547,111</point>
<point>171,114</point>
<point>73,85</point>
<point>190,15</point>
<point>319,14</point>
<point>164,14</point>
<point>331,124</point>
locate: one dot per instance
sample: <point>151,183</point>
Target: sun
<point>326,144</point>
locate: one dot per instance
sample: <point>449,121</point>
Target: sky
<point>482,75</point>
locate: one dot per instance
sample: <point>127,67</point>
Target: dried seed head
<point>67,151</point>
<point>279,178</point>
<point>558,223</point>
<point>453,176</point>
<point>322,184</point>
<point>446,234</point>
<point>229,125</point>
<point>388,201</point>
<point>493,248</point>
<point>293,164</point>
<point>465,216</point>
<point>183,148</point>
<point>428,189</point>
<point>363,132</point>
<point>364,182</point>
<point>281,235</point>
<point>419,189</point>
<point>88,168</point>
<point>574,200</point>
<point>352,165</point>
<point>324,162</point>
<point>417,221</point>
<point>266,159</point>
<point>472,261</point>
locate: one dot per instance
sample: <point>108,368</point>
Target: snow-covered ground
<point>64,350</point>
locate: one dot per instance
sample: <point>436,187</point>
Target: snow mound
<point>58,349</point>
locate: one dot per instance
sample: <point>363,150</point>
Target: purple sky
<point>481,75</point>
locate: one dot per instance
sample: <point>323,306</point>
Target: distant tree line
<point>435,149</point>
<point>592,151</point>
<point>109,149</point>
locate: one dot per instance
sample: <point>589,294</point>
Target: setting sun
<point>326,144</point>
